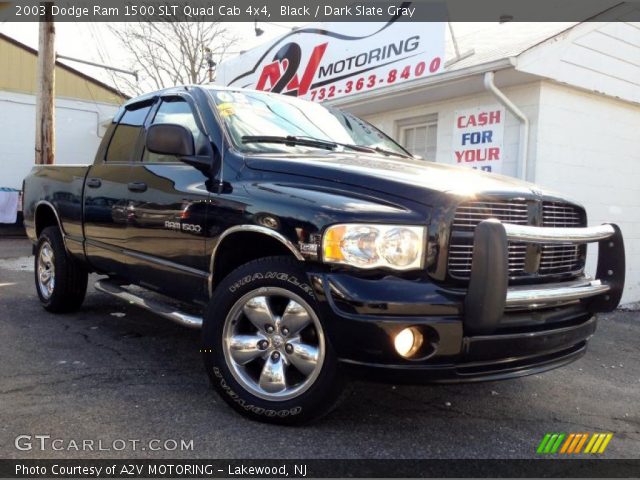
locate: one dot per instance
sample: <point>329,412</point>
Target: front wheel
<point>265,346</point>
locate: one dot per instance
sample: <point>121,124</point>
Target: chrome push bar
<point>527,297</point>
<point>528,234</point>
<point>489,294</point>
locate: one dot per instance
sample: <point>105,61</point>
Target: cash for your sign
<point>351,11</point>
<point>474,142</point>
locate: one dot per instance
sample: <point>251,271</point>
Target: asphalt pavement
<point>113,372</point>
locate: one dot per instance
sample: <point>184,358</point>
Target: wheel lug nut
<point>269,328</point>
<point>263,344</point>
<point>275,356</point>
<point>285,331</point>
<point>289,348</point>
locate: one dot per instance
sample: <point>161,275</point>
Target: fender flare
<point>254,229</point>
<point>48,204</point>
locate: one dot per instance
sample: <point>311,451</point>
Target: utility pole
<point>45,81</point>
<point>208,55</point>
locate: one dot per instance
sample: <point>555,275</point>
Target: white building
<point>82,105</point>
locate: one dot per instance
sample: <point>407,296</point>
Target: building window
<point>419,135</point>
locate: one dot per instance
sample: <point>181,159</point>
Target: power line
<point>94,64</point>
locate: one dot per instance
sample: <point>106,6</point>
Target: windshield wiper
<point>304,141</point>
<point>389,152</point>
<point>291,140</point>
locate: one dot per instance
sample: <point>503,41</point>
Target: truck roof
<point>183,88</point>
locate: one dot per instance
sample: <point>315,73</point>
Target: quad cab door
<point>106,207</point>
<point>168,202</point>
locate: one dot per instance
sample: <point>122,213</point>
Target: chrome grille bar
<point>557,256</point>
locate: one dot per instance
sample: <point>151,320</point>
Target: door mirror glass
<point>170,139</point>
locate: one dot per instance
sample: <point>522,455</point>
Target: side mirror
<point>170,139</point>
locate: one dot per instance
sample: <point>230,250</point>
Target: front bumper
<point>488,331</point>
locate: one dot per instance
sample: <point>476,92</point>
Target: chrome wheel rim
<point>46,271</point>
<point>273,343</point>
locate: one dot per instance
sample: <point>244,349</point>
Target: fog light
<point>408,342</point>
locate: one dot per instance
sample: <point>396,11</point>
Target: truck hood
<point>406,178</point>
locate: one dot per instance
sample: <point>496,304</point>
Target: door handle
<point>137,187</point>
<point>94,183</point>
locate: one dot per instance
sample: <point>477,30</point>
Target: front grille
<point>460,259</point>
<point>554,259</point>
<point>556,214</point>
<point>471,214</point>
<point>560,258</point>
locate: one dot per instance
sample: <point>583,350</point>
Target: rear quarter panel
<point>60,187</point>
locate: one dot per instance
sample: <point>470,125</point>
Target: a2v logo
<point>281,75</point>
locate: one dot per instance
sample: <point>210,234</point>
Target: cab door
<point>106,208</point>
<point>169,203</point>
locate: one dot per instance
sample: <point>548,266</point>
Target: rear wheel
<point>61,282</point>
<point>265,346</point>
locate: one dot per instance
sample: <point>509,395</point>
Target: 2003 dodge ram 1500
<point>313,244</point>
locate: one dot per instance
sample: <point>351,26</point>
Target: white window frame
<point>414,123</point>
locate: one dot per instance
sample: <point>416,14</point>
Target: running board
<point>167,311</point>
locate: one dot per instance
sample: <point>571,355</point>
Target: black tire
<point>69,278</point>
<point>322,387</point>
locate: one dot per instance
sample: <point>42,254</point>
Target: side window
<point>123,143</point>
<point>177,111</point>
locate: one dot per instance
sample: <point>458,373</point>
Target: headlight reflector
<point>400,247</point>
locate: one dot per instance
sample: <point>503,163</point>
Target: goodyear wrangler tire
<point>265,346</point>
<point>60,282</point>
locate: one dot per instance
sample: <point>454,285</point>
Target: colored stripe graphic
<point>567,442</point>
<point>550,443</point>
<point>594,437</point>
<point>543,443</point>
<point>573,443</point>
<point>598,443</point>
<point>556,445</point>
<point>581,443</point>
<point>605,443</point>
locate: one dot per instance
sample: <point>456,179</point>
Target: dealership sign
<point>478,138</point>
<point>328,60</point>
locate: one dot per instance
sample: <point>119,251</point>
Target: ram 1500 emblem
<point>185,227</point>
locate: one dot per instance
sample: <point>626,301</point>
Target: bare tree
<point>167,53</point>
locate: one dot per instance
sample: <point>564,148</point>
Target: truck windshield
<point>260,122</point>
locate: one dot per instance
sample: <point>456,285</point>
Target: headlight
<point>372,246</point>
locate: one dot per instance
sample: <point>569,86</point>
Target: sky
<point>94,42</point>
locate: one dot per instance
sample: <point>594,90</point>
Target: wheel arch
<point>46,215</point>
<point>225,259</point>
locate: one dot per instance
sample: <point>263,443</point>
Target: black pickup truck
<point>307,244</point>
